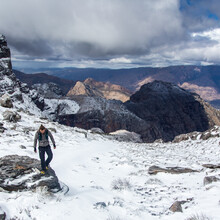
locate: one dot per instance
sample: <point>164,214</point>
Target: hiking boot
<point>42,172</point>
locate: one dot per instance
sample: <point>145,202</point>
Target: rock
<point>48,90</point>
<point>176,207</point>
<point>172,170</point>
<point>11,116</point>
<point>18,174</point>
<point>97,131</point>
<point>210,179</point>
<point>5,101</point>
<point>22,147</point>
<point>126,136</point>
<point>100,205</point>
<point>2,214</point>
<point>211,166</point>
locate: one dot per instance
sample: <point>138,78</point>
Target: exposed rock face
<point>8,81</point>
<point>91,87</point>
<point>108,115</point>
<point>17,174</point>
<point>170,111</point>
<point>48,90</point>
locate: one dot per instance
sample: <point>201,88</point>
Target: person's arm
<point>52,139</point>
<point>35,142</point>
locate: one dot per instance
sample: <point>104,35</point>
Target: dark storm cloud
<point>89,27</point>
<point>117,30</point>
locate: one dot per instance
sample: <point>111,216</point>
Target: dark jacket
<point>43,139</point>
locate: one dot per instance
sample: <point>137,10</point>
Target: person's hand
<point>35,150</point>
<point>54,146</point>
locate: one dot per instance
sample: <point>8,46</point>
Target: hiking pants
<point>42,151</point>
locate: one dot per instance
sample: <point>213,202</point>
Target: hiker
<point>42,136</point>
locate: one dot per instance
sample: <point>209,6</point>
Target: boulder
<point>210,179</point>
<point>21,173</point>
<point>5,101</point>
<point>11,116</point>
<point>176,207</point>
<point>172,170</point>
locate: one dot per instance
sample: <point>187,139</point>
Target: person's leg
<point>49,154</point>
<point>42,157</point>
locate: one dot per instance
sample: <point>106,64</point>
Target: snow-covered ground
<point>109,180</point>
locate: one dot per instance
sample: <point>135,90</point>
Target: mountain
<point>159,110</point>
<point>43,78</point>
<point>25,98</point>
<point>204,80</point>
<point>91,87</point>
<point>170,111</point>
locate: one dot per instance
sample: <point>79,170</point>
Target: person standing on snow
<point>42,136</point>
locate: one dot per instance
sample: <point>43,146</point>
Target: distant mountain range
<point>203,80</point>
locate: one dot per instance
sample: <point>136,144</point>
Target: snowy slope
<point>109,180</point>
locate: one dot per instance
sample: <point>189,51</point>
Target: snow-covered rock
<point>5,101</point>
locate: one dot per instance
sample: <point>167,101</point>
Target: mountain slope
<point>109,179</point>
<point>90,87</point>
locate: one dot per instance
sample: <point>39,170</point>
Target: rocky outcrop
<point>18,173</point>
<point>91,87</point>
<point>48,90</point>
<point>170,111</point>
<point>108,115</point>
<point>172,170</point>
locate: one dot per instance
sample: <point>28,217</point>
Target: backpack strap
<point>40,135</point>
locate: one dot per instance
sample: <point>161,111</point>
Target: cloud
<point>116,32</point>
<point>92,28</point>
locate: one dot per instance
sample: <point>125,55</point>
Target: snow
<point>109,180</point>
<point>62,106</point>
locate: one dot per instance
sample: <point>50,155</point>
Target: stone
<point>176,207</point>
<point>210,179</point>
<point>172,170</point>
<point>97,131</point>
<point>5,101</point>
<point>211,166</point>
<point>101,205</point>
<point>18,173</point>
<point>22,147</point>
<point>11,116</point>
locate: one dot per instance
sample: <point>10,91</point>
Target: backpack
<point>40,135</point>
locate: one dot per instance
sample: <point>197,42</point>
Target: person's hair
<point>42,127</point>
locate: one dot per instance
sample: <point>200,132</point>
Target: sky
<point>111,33</point>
